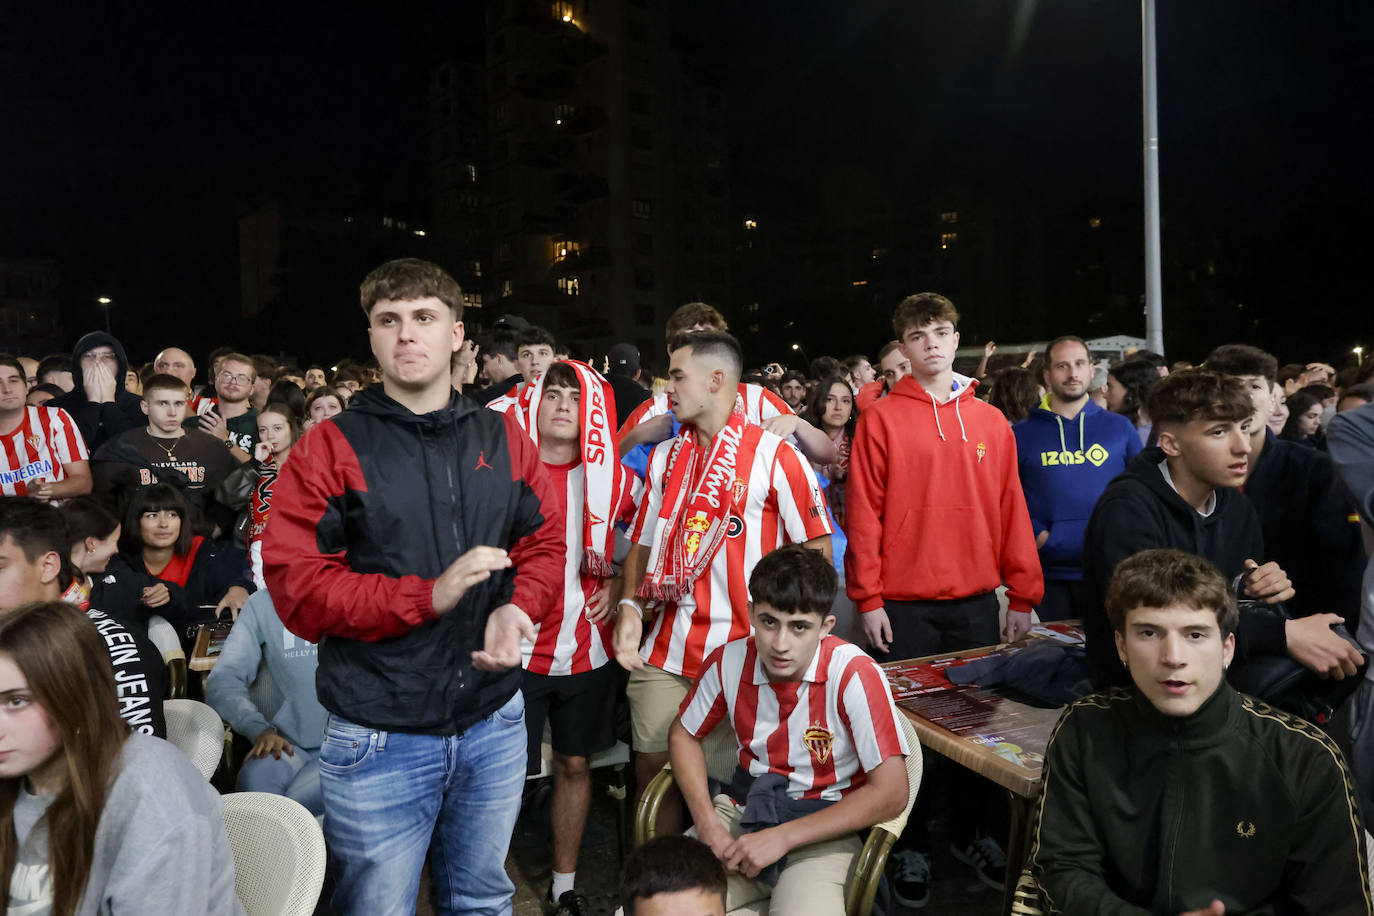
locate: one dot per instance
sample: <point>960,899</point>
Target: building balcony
<point>546,85</point>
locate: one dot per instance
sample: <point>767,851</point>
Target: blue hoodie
<point>1065,465</point>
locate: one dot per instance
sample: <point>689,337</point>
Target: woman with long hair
<point>194,572</point>
<point>832,410</point>
<point>1304,424</point>
<point>1127,384</point>
<point>104,577</point>
<point>278,430</point>
<point>94,819</point>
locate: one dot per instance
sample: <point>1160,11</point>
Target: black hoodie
<point>1139,510</point>
<point>100,422</point>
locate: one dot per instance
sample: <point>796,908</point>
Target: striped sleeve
<point>704,706</point>
<point>651,502</point>
<point>67,442</point>
<point>770,405</point>
<point>868,712</point>
<point>801,506</point>
<point>655,406</point>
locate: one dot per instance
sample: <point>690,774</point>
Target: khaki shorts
<point>655,696</point>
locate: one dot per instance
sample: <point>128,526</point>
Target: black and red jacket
<point>370,509</point>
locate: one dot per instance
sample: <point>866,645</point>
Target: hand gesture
<point>269,742</point>
<point>40,490</point>
<point>233,600</point>
<point>877,628</point>
<point>1314,645</point>
<point>156,595</point>
<point>99,381</point>
<point>213,423</point>
<point>1268,583</point>
<point>751,853</point>
<point>261,452</point>
<point>599,605</point>
<point>782,425</point>
<point>506,627</point>
<point>989,348</point>
<point>475,566</point>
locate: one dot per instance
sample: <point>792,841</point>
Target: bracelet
<point>634,603</point>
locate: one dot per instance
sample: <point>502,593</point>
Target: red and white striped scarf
<point>605,479</point>
<point>695,515</point>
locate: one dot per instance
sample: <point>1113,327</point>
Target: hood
<point>1145,469</point>
<point>376,402</point>
<point>1072,433</point>
<point>962,388</point>
<point>89,342</point>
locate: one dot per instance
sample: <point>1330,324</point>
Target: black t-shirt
<point>140,676</point>
<point>204,460</point>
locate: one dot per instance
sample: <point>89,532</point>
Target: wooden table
<point>983,729</point>
<point>209,639</point>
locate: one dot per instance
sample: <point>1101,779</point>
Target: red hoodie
<point>935,509</point>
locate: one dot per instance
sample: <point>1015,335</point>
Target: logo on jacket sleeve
<point>818,741</point>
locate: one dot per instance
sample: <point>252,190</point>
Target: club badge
<point>696,526</point>
<point>982,450</point>
<point>818,741</point>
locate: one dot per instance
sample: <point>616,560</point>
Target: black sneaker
<point>910,874</point>
<point>986,859</point>
<point>570,904</point>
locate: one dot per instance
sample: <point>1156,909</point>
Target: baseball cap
<point>624,358</point>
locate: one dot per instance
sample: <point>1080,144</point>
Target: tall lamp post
<point>105,305</point>
<point>1154,305</point>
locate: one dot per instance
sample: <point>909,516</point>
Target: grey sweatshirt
<point>160,846</point>
<point>259,635</point>
<point>1350,440</point>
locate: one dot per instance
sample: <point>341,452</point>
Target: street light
<point>1154,283</point>
<point>1359,354</point>
<point>105,304</point>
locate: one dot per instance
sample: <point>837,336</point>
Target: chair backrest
<point>914,769</point>
<point>279,854</point>
<point>162,634</point>
<point>196,730</point>
<point>868,868</point>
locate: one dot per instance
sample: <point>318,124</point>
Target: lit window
<point>472,174</point>
<point>753,307</point>
<point>475,267</point>
<point>750,223</point>
<point>947,239</point>
<point>1095,222</point>
<point>563,249</point>
<point>420,232</point>
<point>472,300</point>
<point>860,283</point>
<point>949,216</point>
<point>507,288</point>
<point>568,285</point>
<point>879,252</point>
<point>563,12</point>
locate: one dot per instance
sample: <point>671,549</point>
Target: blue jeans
<point>297,776</point>
<point>392,797</point>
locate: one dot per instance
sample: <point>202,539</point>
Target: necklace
<point>169,451</point>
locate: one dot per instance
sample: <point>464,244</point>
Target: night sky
<point>132,139</point>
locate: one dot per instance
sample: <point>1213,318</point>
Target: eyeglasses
<point>240,379</point>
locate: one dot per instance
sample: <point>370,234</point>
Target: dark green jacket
<point>1147,813</point>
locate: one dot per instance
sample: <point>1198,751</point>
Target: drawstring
<point>962,432</point>
<point>935,407</point>
<point>1063,446</point>
<point>938,428</point>
<point>1080,429</point>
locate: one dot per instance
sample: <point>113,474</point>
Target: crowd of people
<point>446,552</point>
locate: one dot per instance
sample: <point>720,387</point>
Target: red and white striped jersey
<point>774,501</point>
<point>507,401</point>
<point>759,404</point>
<point>36,449</point>
<point>201,404</point>
<point>565,641</point>
<point>824,733</point>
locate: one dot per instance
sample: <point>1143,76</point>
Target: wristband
<point>634,603</point>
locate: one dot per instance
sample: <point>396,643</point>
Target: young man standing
<point>1180,795</point>
<point>654,420</point>
<point>232,419</point>
<point>98,401</point>
<point>498,354</point>
<point>936,522</point>
<point>409,537</point>
<point>42,453</point>
<point>893,366</point>
<point>567,679</point>
<point>719,496</point>
<point>822,754</point>
<point>195,461</point>
<point>1183,494</point>
<point>533,355</point>
<point>1309,526</point>
<point>1067,451</point>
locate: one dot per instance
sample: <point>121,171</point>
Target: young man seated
<point>1180,795</point>
<point>1183,494</point>
<point>673,875</point>
<point>821,753</point>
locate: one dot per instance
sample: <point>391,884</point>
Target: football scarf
<point>604,478</point>
<point>695,515</point>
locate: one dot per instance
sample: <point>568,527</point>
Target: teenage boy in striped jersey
<point>570,415</point>
<point>42,452</point>
<point>821,753</point>
<point>718,497</point>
